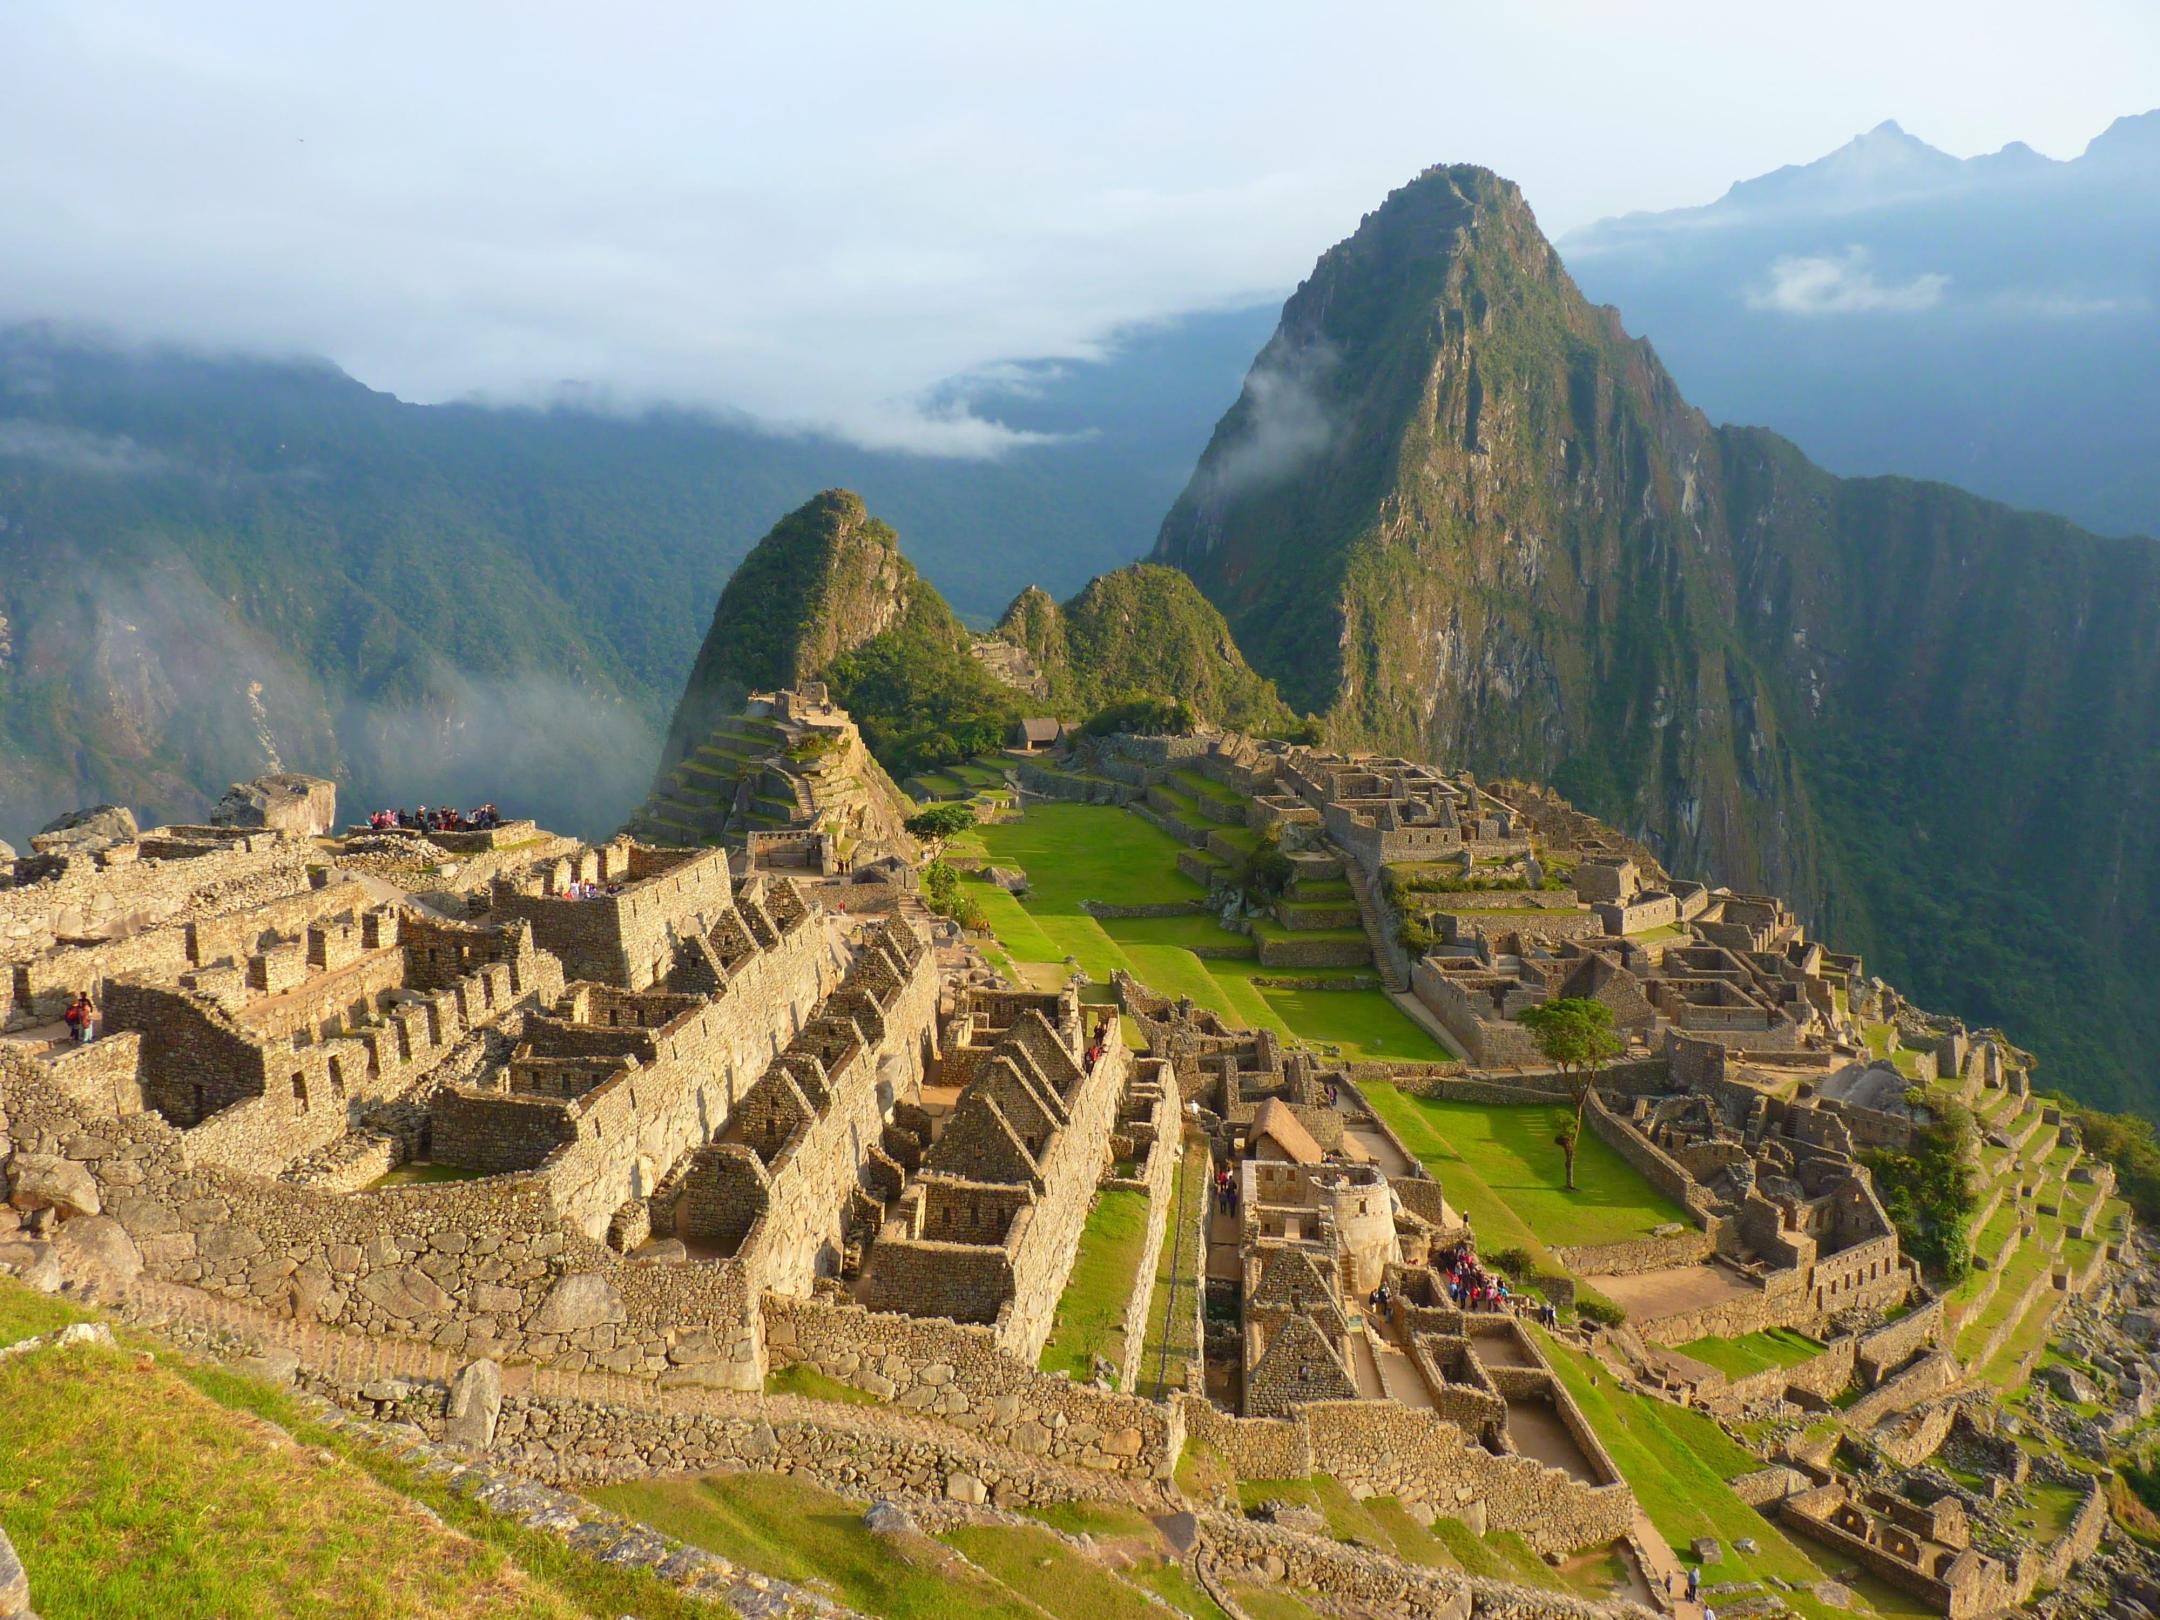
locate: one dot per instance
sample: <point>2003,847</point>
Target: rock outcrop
<point>305,806</point>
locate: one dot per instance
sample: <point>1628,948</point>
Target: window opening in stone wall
<point>299,1091</point>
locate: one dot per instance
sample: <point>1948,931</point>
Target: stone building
<point>987,1232</point>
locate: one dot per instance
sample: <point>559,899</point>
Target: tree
<point>938,822</point>
<point>1576,1035</point>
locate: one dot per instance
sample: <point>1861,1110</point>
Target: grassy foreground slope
<point>133,1486</point>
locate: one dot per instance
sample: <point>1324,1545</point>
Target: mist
<point>813,218</point>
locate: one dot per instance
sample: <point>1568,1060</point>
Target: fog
<point>815,214</point>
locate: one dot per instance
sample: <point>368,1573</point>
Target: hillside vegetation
<point>1142,631</point>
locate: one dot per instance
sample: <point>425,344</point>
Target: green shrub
<point>1601,1311</point>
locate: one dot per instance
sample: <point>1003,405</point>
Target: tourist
<point>81,1018</point>
<point>1694,1583</point>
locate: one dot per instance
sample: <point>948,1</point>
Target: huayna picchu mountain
<point>1458,511</point>
<point>827,595</point>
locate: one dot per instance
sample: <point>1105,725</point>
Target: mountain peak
<point>825,579</point>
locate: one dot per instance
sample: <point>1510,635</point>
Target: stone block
<point>405,1294</point>
<point>475,1405</point>
<point>577,1303</point>
<point>47,1181</point>
<point>100,1244</point>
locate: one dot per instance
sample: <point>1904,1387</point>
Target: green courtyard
<point>1077,852</point>
<point>1501,1167</point>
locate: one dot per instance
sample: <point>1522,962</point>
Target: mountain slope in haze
<point>1463,513</point>
<point>1992,321</point>
<point>1141,631</point>
<point>211,566</point>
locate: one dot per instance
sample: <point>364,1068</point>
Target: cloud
<point>78,451</point>
<point>1284,423</point>
<point>1843,284</point>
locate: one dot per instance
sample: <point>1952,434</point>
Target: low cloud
<point>1285,421</point>
<point>78,451</point>
<point>1843,284</point>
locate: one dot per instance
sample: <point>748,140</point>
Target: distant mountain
<point>1143,631</point>
<point>207,566</point>
<point>1992,321</point>
<point>1463,514</point>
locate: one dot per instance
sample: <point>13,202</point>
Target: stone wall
<point>1382,1448</point>
<point>1637,1255</point>
<point>959,1373</point>
<point>1881,1351</point>
<point>1160,1177</point>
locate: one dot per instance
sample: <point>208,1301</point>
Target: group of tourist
<point>1226,1193</point>
<point>443,818</point>
<point>81,1019</point>
<point>1472,1288</point>
<point>579,889</point>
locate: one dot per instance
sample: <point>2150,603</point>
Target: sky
<point>813,213</point>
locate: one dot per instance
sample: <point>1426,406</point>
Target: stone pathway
<point>1661,1568</point>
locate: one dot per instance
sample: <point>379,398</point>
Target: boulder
<point>1706,1550</point>
<point>885,1518</point>
<point>667,1251</point>
<point>287,802</point>
<point>2072,1385</point>
<point>34,1263</point>
<point>101,1244</point>
<point>475,1404</point>
<point>7,853</point>
<point>47,1181</point>
<point>85,832</point>
<point>582,1300</point>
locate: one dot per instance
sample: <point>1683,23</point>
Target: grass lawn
<point>1091,1311</point>
<point>1502,1556</point>
<point>790,1528</point>
<point>1679,1462</point>
<point>418,1174</point>
<point>1178,1268</point>
<point>1499,1166</point>
<point>1077,852</point>
<point>26,1313</point>
<point>803,1379</point>
<point>1754,1352</point>
<point>160,1488</point>
<point>1051,1573</point>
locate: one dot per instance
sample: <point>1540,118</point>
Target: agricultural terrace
<point>1680,1465</point>
<point>1081,852</point>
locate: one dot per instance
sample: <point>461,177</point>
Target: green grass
<point>159,1488</point>
<point>1754,1352</point>
<point>1178,1280</point>
<point>25,1313</point>
<point>1500,1167</point>
<point>1091,1311</point>
<point>1050,1573</point>
<point>1502,1556</point>
<point>420,1174</point>
<point>1076,852</point>
<point>1679,1462</point>
<point>790,1528</point>
<point>803,1379</point>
